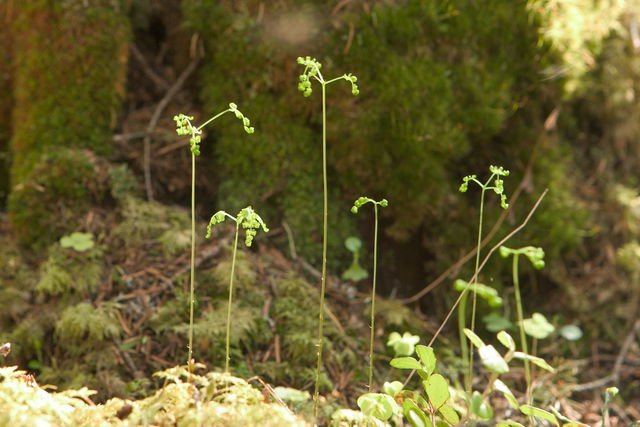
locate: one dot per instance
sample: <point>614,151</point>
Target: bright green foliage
<point>538,326</point>
<point>381,406</point>
<point>247,218</point>
<point>416,409</point>
<point>73,181</point>
<point>226,401</point>
<point>355,271</point>
<point>78,241</point>
<point>485,292</point>
<point>67,272</point>
<point>403,345</point>
<point>83,321</point>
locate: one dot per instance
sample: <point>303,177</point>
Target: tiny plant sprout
<point>310,73</point>
<point>355,272</point>
<point>403,345</point>
<point>185,127</point>
<point>357,205</point>
<point>536,257</point>
<point>249,220</point>
<point>494,183</point>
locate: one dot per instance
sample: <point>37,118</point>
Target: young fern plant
<point>536,257</point>
<point>185,127</point>
<point>357,205</point>
<point>496,184</point>
<point>312,72</point>
<point>248,219</point>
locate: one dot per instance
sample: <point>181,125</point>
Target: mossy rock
<point>53,198</point>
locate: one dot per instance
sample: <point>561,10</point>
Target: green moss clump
<point>52,199</point>
<point>67,272</point>
<point>144,220</point>
<point>84,322</point>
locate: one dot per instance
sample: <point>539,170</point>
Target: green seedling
<point>79,242</point>
<point>498,364</point>
<point>419,409</point>
<point>185,127</point>
<point>357,205</point>
<point>403,345</point>
<point>496,184</point>
<point>536,257</point>
<point>355,271</point>
<point>251,222</point>
<point>609,394</point>
<point>312,72</point>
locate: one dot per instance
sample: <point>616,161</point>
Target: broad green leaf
<point>495,322</point>
<point>538,361</point>
<point>415,415</point>
<point>405,363</point>
<point>377,405</point>
<point>476,340</point>
<point>506,340</point>
<point>392,388</point>
<point>403,345</point>
<point>78,241</point>
<point>449,414</point>
<point>480,407</point>
<point>502,387</point>
<point>537,326</point>
<point>355,272</point>
<point>353,244</point>
<point>427,357</point>
<point>437,389</point>
<point>509,423</point>
<point>292,395</point>
<point>539,413</point>
<point>492,360</point>
<point>571,332</point>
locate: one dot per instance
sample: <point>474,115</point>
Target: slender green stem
<point>373,296</point>
<point>193,258</point>
<point>233,267</point>
<point>523,339</point>
<point>475,292</point>
<point>325,212</point>
<point>213,118</point>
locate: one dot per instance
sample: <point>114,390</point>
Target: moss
<point>69,68</point>
<point>52,199</point>
<point>84,322</point>
<point>67,272</point>
<point>142,220</point>
<point>6,103</point>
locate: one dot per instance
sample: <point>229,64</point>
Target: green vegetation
<point>251,222</point>
<point>98,287</point>
<point>312,72</point>
<point>357,205</point>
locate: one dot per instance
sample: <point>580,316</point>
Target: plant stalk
<point>233,267</point>
<point>193,261</point>
<point>373,296</point>
<point>523,339</point>
<point>324,250</point>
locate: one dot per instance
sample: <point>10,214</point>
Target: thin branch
<point>153,76</point>
<point>486,258</point>
<point>614,376</point>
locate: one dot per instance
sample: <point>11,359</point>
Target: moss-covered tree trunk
<point>69,65</point>
<point>6,100</point>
